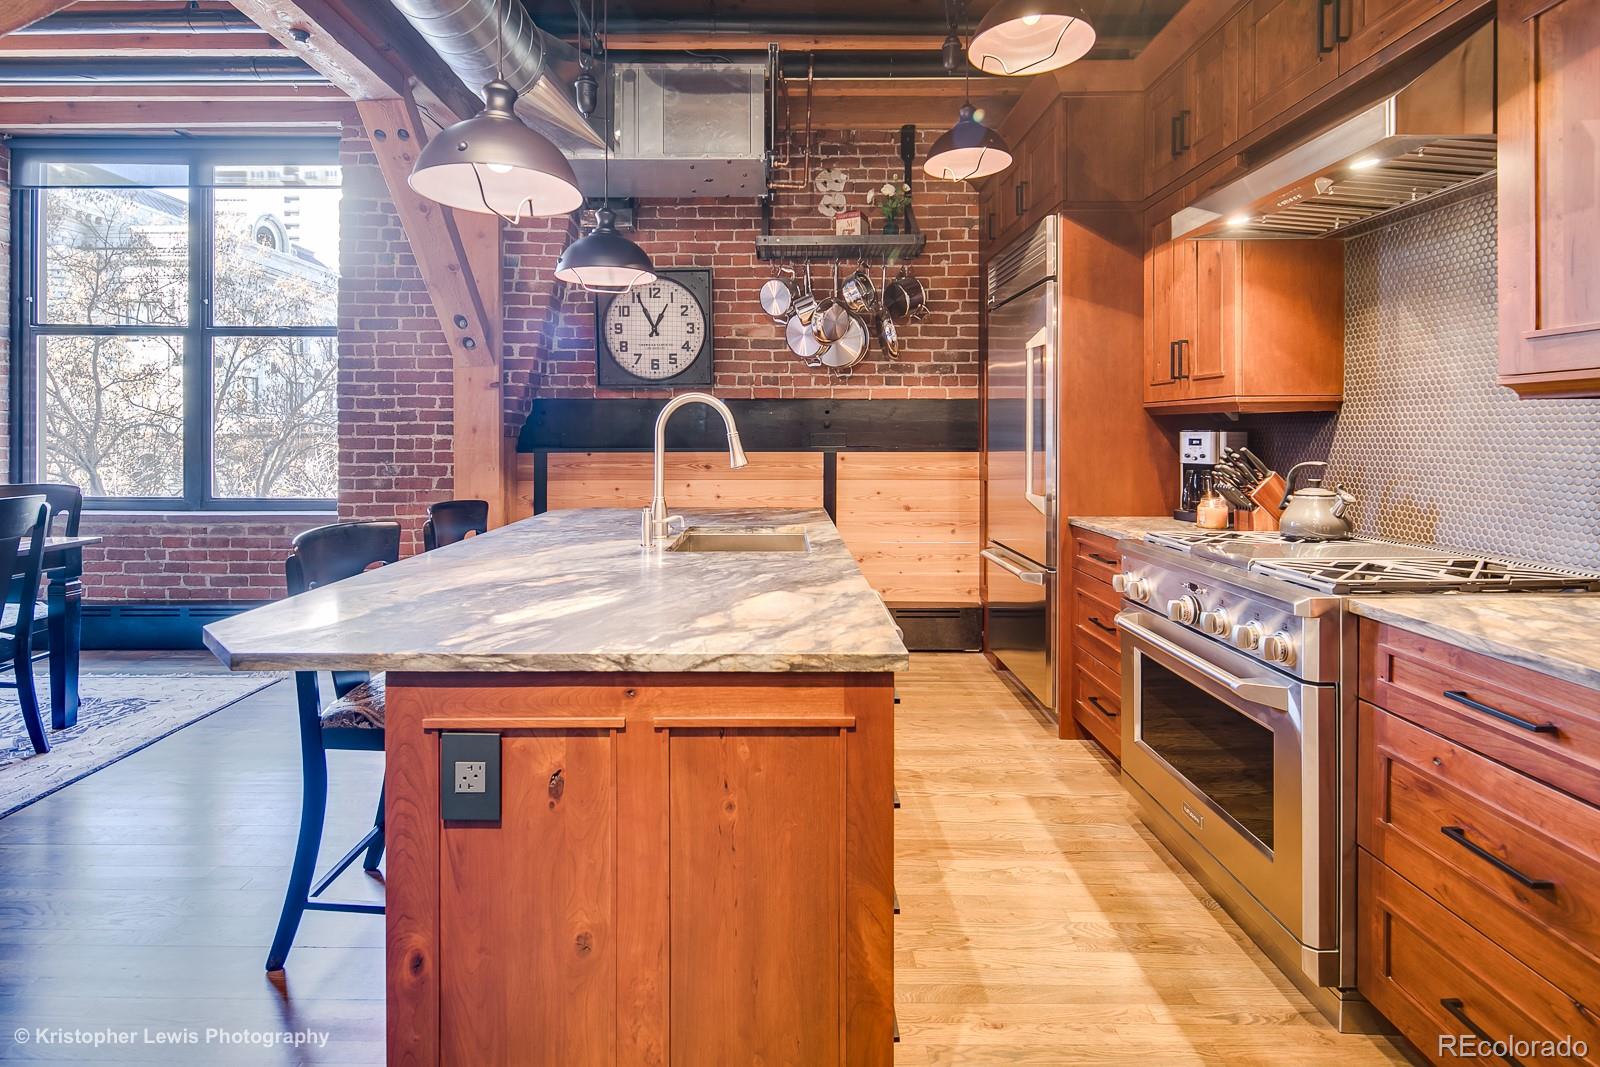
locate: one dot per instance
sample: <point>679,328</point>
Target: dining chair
<point>353,721</point>
<point>23,517</point>
<point>450,521</point>
<point>63,637</point>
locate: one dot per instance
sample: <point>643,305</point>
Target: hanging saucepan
<point>888,332</point>
<point>906,298</point>
<point>778,294</point>
<point>859,293</point>
<point>802,341</point>
<point>833,318</point>
<point>850,348</point>
<point>804,305</point>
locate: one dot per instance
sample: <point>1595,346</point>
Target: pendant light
<point>604,261</point>
<point>494,164</point>
<point>970,150</point>
<point>1030,37</point>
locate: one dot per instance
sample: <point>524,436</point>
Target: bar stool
<point>450,521</point>
<point>23,516</point>
<point>352,722</point>
<point>63,633</point>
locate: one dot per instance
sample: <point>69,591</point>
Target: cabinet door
<point>988,214</point>
<point>1161,361</point>
<point>1207,359</point>
<point>1365,26</point>
<point>1287,52</point>
<point>1163,147</point>
<point>1211,120</point>
<point>1041,164</point>
<point>1549,222</point>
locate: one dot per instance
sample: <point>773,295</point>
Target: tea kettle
<point>1313,513</point>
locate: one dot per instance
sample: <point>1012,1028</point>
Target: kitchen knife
<point>1261,469</point>
<point>1236,498</point>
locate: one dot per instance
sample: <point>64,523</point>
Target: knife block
<point>1269,498</point>
<point>1258,518</point>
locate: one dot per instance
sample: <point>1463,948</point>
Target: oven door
<point>1241,756</point>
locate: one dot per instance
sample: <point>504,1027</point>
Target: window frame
<point>197,332</point>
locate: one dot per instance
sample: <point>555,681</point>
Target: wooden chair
<point>63,636</point>
<point>23,517</point>
<point>450,521</point>
<point>353,721</point>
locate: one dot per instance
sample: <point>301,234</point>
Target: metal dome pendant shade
<point>604,261</point>
<point>494,164</point>
<point>1021,37</point>
<point>970,150</point>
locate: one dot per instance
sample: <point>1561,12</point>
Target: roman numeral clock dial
<point>656,334</point>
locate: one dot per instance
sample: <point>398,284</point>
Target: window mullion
<point>197,375</point>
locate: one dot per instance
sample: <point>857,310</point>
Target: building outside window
<point>176,324</point>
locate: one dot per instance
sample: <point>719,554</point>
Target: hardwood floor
<point>1039,922</point>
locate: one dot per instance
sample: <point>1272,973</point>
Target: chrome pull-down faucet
<point>655,523</point>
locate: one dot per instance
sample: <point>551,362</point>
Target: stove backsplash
<point>1435,450</point>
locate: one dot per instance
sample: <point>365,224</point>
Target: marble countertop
<point>1554,633</point>
<point>573,591</point>
<point>1131,527</point>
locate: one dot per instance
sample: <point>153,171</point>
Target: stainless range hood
<point>1435,135</point>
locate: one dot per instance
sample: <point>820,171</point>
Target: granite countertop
<point>1132,527</point>
<point>1553,633</point>
<point>574,591</point>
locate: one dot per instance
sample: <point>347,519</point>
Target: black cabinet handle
<point>991,225</point>
<point>1181,345</point>
<point>1504,716</point>
<point>1176,151</point>
<point>1098,558</point>
<point>1101,708</point>
<point>1339,31</point>
<point>1096,620</point>
<point>1183,129</point>
<point>1172,360</point>
<point>1458,1008</point>
<point>1459,836</point>
<point>1324,45</point>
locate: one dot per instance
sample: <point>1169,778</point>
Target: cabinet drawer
<point>1096,557</point>
<point>1475,835</point>
<point>1097,705</point>
<point>1542,726</point>
<point>1094,625</point>
<point>1431,974</point>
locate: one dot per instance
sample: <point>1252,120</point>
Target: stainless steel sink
<point>740,539</point>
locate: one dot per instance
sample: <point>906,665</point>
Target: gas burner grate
<point>1185,540</point>
<point>1441,574</point>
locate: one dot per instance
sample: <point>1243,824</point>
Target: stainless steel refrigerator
<point>1020,368</point>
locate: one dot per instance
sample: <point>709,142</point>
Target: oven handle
<point>1267,694</point>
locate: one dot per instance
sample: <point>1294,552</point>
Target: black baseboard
<point>940,629</point>
<point>166,625</point>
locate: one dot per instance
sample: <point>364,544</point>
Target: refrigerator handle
<point>1025,576</point>
<point>1035,343</point>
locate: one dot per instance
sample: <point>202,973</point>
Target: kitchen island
<point>693,856</point>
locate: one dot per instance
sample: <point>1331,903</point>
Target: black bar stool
<point>354,721</point>
<point>23,517</point>
<point>450,521</point>
<point>62,598</point>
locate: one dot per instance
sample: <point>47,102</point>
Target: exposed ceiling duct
<point>477,37</point>
<point>1435,135</point>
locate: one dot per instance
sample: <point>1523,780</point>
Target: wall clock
<point>657,334</point>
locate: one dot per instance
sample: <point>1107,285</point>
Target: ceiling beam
<point>19,13</point>
<point>668,41</point>
<point>326,40</point>
<point>171,114</point>
<point>163,45</point>
<point>47,92</point>
<point>394,129</point>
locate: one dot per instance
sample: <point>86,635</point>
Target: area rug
<point>118,715</point>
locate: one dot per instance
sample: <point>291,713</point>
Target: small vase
<point>891,225</point>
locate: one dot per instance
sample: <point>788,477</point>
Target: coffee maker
<point>1199,451</point>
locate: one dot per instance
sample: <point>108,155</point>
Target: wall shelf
<point>872,247</point>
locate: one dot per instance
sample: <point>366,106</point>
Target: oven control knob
<point>1247,636</point>
<point>1215,622</point>
<point>1186,609</point>
<point>1278,648</point>
<point>1132,587</point>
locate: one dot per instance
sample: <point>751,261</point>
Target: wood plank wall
<point>910,518</point>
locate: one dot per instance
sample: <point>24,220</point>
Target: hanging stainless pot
<point>804,305</point>
<point>906,298</point>
<point>778,294</point>
<point>851,348</point>
<point>889,334</point>
<point>833,318</point>
<point>802,341</point>
<point>860,295</point>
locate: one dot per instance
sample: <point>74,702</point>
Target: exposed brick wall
<point>395,423</point>
<point>155,556</point>
<point>939,355</point>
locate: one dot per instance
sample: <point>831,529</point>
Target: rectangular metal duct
<point>1434,135</point>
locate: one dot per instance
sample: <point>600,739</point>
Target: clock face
<point>655,332</point>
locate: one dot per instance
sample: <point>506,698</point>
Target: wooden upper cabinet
<point>1549,221</point>
<point>1288,49</point>
<point>1161,319</point>
<point>1040,166</point>
<point>1211,122</point>
<point>1366,26</point>
<point>988,214</point>
<point>1165,105</point>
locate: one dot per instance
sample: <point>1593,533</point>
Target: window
<point>176,317</point>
